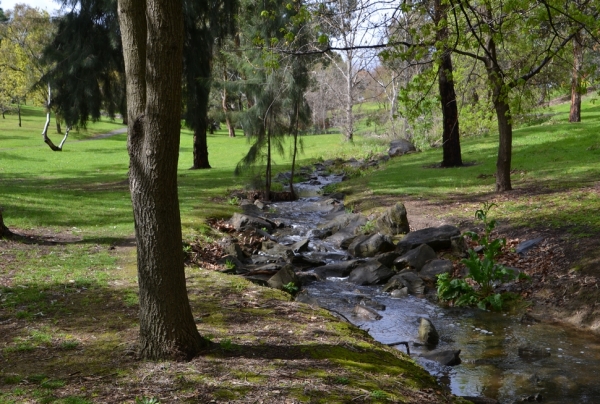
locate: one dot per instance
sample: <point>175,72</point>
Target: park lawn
<point>68,304</point>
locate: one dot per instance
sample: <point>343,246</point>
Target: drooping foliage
<point>205,23</point>
<point>273,84</point>
<point>87,78</point>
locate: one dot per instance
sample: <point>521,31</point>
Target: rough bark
<point>575,113</point>
<point>230,127</point>
<point>201,148</point>
<point>4,231</point>
<point>450,136</point>
<point>152,45</point>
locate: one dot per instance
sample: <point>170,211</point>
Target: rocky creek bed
<point>366,271</point>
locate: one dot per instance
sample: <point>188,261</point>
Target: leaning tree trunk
<point>575,113</point>
<point>152,34</point>
<point>450,135</point>
<point>230,127</point>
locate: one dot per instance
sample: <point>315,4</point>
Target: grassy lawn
<point>68,304</point>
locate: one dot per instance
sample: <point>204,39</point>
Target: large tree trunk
<point>152,34</point>
<point>201,148</point>
<point>4,231</point>
<point>450,136</point>
<point>576,90</point>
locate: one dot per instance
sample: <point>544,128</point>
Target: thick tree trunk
<point>576,90</point>
<point>152,33</point>
<point>450,136</point>
<point>200,149</point>
<point>4,231</point>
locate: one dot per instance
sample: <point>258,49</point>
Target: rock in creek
<point>409,280</point>
<point>434,268</point>
<point>398,293</point>
<point>372,304</point>
<point>437,238</point>
<point>240,221</point>
<point>447,358</point>
<point>387,258</point>
<point>370,245</point>
<point>338,270</point>
<point>366,313</point>
<point>415,258</point>
<point>283,277</point>
<point>370,273</point>
<point>427,332</point>
<point>344,220</point>
<point>533,353</point>
<point>393,221</point>
<point>480,400</point>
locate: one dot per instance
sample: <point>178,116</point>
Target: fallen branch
<point>405,343</point>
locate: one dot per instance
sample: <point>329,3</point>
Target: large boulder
<point>415,258</point>
<point>427,332</point>
<point>370,245</point>
<point>400,147</point>
<point>387,258</point>
<point>370,273</point>
<point>409,280</point>
<point>434,268</point>
<point>240,221</point>
<point>437,238</point>
<point>344,220</point>
<point>393,221</point>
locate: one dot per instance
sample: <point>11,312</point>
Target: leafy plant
<point>291,288</point>
<point>234,201</point>
<point>229,264</point>
<point>483,270</point>
<point>146,400</point>
<point>379,394</point>
<point>368,227</point>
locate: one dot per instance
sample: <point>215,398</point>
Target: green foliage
<point>484,270</point>
<point>146,400</point>
<point>368,227</point>
<point>291,288</point>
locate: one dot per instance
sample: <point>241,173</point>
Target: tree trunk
<point>576,90</point>
<point>152,34</point>
<point>18,112</point>
<point>349,101</point>
<point>230,127</point>
<point>500,100</point>
<point>200,149</point>
<point>4,231</point>
<point>450,136</point>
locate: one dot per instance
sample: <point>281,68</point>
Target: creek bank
<point>413,262</point>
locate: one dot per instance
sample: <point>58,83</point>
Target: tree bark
<point>450,136</point>
<point>201,148</point>
<point>4,231</point>
<point>152,34</point>
<point>576,90</point>
<point>230,127</point>
<point>503,114</point>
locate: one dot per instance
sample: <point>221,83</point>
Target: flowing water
<point>564,366</point>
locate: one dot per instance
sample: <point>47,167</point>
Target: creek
<point>560,364</point>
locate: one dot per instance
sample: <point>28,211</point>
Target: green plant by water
<point>483,270</point>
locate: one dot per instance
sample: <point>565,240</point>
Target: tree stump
<point>4,231</point>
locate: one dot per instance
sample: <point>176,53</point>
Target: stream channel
<point>564,370</point>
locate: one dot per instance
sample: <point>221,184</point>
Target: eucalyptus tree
<point>152,34</point>
<point>514,41</point>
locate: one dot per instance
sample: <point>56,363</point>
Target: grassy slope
<point>68,309</point>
